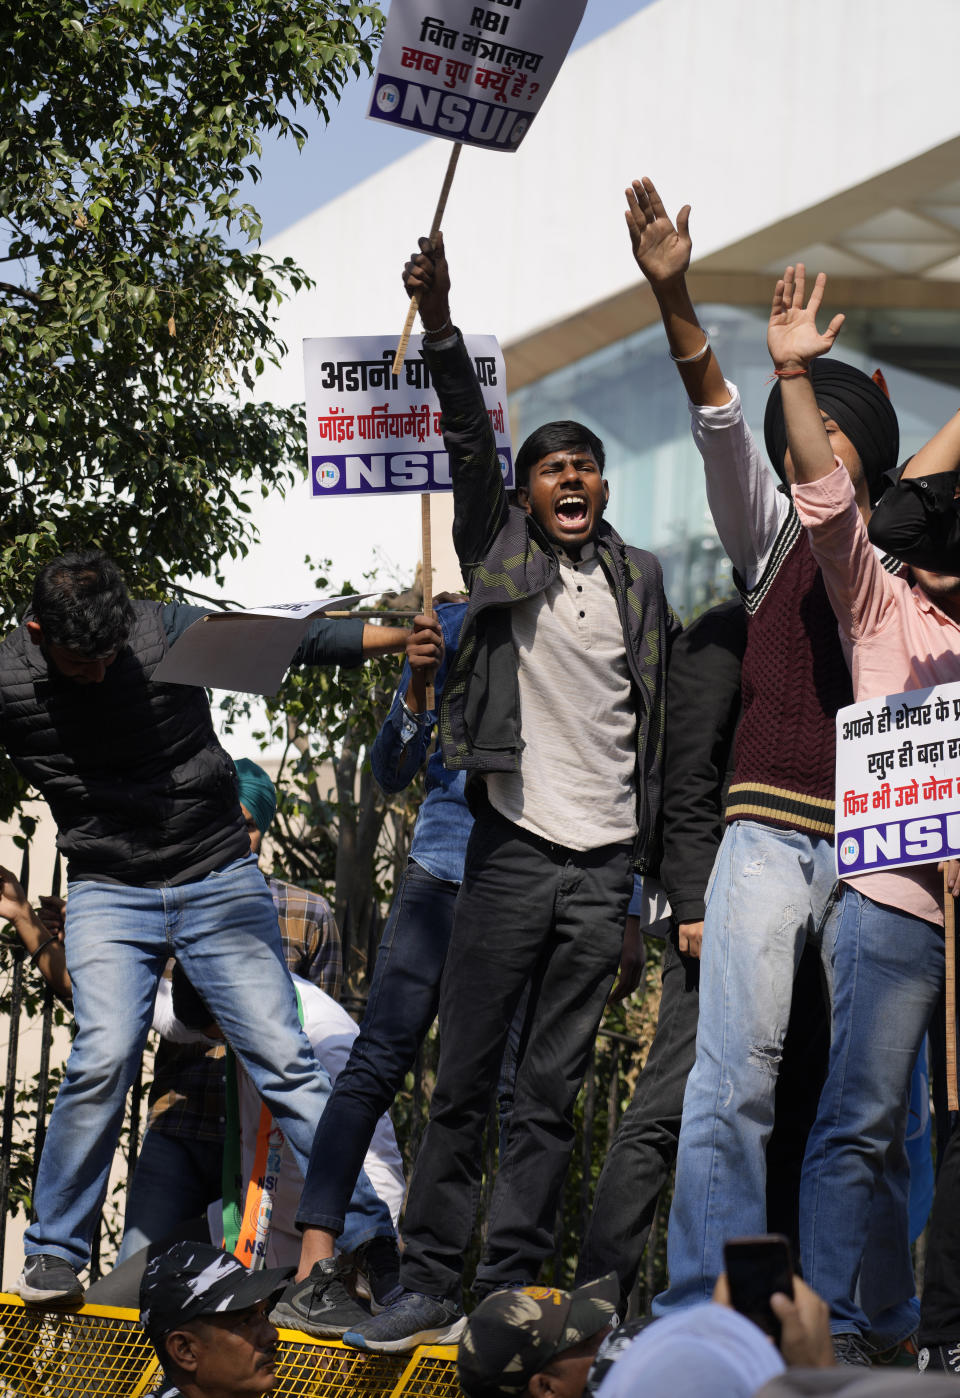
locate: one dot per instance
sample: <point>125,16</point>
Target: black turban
<point>858,406</point>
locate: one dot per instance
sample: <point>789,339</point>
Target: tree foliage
<point>136,311</point>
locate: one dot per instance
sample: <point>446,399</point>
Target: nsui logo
<point>327,475</point>
<point>504,465</point>
<point>388,97</point>
<point>849,850</point>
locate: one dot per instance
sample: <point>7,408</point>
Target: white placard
<point>248,651</point>
<point>898,780</point>
<point>370,431</point>
<point>475,71</point>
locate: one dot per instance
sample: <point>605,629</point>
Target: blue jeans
<point>223,930</point>
<point>887,973</point>
<point>769,893</point>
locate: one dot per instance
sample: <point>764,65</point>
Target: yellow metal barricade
<point>101,1352</point>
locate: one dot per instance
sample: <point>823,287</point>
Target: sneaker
<point>378,1265</point>
<point>944,1359</point>
<point>320,1305</point>
<point>49,1281</point>
<point>413,1320</point>
<point>850,1348</point>
<point>902,1355</point>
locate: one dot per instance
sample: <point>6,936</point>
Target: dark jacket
<point>703,709</point>
<point>138,784</point>
<point>506,558</point>
<point>136,779</point>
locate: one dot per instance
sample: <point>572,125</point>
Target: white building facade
<point>826,131</point>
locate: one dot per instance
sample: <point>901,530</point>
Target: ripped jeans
<point>769,893</point>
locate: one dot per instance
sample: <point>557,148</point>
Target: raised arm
<point>823,487</point>
<point>794,343</point>
<point>479,497</point>
<point>747,508</point>
<point>939,455</point>
<point>662,252</point>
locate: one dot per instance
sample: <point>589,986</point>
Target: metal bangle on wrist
<point>692,358</point>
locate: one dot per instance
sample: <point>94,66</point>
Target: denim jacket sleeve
<point>479,498</point>
<point>400,748</point>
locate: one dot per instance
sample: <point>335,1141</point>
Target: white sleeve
<point>748,509</point>
<point>384,1167</point>
<point>331,1031</point>
<point>166,1023</point>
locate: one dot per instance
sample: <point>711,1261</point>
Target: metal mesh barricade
<point>101,1352</point>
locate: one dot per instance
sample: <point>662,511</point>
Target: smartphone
<point>756,1268</point>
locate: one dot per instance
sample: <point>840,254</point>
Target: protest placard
<point>373,431</point>
<point>471,70</point>
<point>898,780</point>
<point>247,651</point>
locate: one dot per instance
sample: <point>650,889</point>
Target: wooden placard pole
<point>950,968</point>
<point>426,573</point>
<point>401,353</point>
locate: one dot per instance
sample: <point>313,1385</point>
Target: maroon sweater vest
<point>795,678</point>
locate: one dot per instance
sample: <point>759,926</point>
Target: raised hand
<point>661,251</point>
<point>427,273</point>
<point>792,335</point>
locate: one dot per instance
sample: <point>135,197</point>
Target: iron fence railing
<point>29,1004</point>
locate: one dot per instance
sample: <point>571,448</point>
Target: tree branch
<point>20,291</point>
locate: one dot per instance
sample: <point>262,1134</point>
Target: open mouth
<point>571,512</point>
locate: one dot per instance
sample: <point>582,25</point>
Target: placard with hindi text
<point>898,780</point>
<point>475,71</point>
<point>370,431</point>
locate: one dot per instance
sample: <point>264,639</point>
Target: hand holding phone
<point>757,1268</point>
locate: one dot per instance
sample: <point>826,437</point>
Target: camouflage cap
<point>512,1334</point>
<point>195,1279</point>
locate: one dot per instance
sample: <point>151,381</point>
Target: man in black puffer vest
<point>148,816</point>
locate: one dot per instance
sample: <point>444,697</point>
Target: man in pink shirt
<point>886,944</point>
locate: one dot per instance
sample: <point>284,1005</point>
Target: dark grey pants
<point>645,1146</point>
<point>527,910</point>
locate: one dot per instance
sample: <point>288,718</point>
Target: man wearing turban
<point>773,881</point>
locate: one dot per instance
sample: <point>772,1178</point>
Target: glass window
<point>630,395</point>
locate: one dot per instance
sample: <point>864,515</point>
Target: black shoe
<point>378,1263</point>
<point>49,1281</point>
<point>942,1359</point>
<point>320,1305</point>
<point>850,1348</point>
<point>903,1355</point>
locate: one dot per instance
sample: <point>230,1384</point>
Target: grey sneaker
<point>413,1320</point>
<point>850,1348</point>
<point>48,1281</point>
<point>378,1263</point>
<point>320,1305</point>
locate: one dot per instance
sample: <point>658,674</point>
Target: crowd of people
<point>597,770</point>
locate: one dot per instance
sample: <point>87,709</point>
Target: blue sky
<point>342,154</point>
